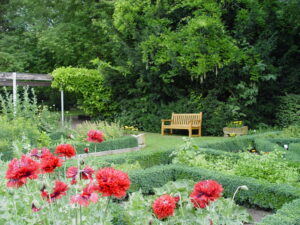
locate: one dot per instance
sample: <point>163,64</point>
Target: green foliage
<point>288,215</point>
<point>110,130</point>
<point>146,159</point>
<point>92,95</point>
<point>119,143</point>
<point>260,194</point>
<point>19,136</point>
<point>28,108</point>
<point>271,167</point>
<point>220,211</point>
<point>288,111</point>
<point>292,131</point>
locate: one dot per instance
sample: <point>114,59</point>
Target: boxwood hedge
<point>260,194</point>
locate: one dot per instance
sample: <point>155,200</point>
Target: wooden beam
<point>25,76</point>
<point>25,83</point>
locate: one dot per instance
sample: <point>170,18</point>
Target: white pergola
<point>28,79</point>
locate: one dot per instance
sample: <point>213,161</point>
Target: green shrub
<point>19,135</point>
<point>123,142</point>
<point>110,130</point>
<point>235,144</point>
<point>293,154</point>
<point>292,131</point>
<point>93,96</point>
<point>265,145</point>
<point>287,215</point>
<point>144,158</point>
<point>288,111</point>
<point>270,167</point>
<point>260,194</point>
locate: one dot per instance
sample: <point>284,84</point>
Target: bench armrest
<point>164,121</point>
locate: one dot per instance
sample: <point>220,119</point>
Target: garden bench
<point>187,121</point>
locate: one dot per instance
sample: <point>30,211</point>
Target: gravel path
<point>257,215</point>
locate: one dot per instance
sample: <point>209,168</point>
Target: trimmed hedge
<point>235,144</point>
<point>260,194</point>
<point>287,215</point>
<point>123,142</point>
<point>265,145</point>
<point>283,141</point>
<point>145,158</point>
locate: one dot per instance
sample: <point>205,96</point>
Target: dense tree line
<point>231,59</point>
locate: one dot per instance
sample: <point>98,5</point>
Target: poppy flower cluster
<point>95,136</point>
<point>59,190</point>
<point>88,195</point>
<point>65,150</point>
<point>112,182</point>
<point>203,193</point>
<point>85,174</point>
<point>19,170</point>
<point>164,206</point>
<point>38,162</point>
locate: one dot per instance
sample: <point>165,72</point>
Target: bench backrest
<point>184,119</point>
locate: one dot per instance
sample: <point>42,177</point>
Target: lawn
<point>156,142</point>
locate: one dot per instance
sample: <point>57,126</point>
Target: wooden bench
<point>187,121</point>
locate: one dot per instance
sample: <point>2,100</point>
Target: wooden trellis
<point>28,79</point>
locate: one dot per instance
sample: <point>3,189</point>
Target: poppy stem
<point>108,201</point>
<point>80,215</point>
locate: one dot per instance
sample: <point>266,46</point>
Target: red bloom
<point>86,173</point>
<point>112,182</point>
<point>86,150</point>
<point>19,170</point>
<point>95,136</point>
<point>177,199</point>
<point>35,153</point>
<point>49,162</point>
<point>204,192</point>
<point>59,190</point>
<point>65,150</point>
<point>86,196</point>
<point>34,208</point>
<point>164,206</point>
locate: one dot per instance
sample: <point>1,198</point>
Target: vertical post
<point>15,92</point>
<point>62,106</point>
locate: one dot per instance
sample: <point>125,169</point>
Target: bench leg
<point>171,131</point>
<point>190,132</point>
<point>162,131</point>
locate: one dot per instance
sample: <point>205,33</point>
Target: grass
<point>156,142</point>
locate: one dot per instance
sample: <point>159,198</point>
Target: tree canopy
<point>230,59</point>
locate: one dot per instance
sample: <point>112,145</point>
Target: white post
<point>15,92</point>
<point>62,106</point>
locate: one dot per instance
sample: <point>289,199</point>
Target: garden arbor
<point>28,79</point>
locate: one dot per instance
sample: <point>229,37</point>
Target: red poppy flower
<point>19,170</point>
<point>34,208</point>
<point>45,152</point>
<point>59,190</point>
<point>95,136</point>
<point>204,192</point>
<point>112,182</point>
<point>86,196</point>
<point>49,162</point>
<point>85,174</point>
<point>164,206</point>
<point>177,199</point>
<point>86,150</point>
<point>65,150</point>
<point>34,153</point>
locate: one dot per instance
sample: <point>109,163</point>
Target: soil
<point>257,215</point>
